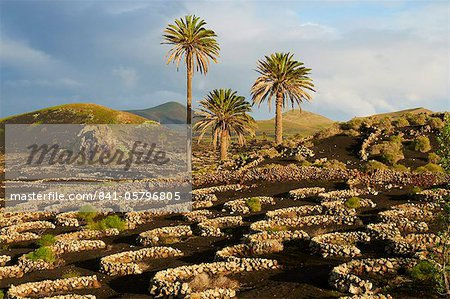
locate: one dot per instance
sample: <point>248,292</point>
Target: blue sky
<point>367,56</point>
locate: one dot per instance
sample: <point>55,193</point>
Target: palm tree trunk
<point>279,118</point>
<point>223,145</point>
<point>189,73</point>
<point>189,89</point>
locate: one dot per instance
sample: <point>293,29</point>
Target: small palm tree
<point>224,112</point>
<point>286,79</point>
<point>195,44</point>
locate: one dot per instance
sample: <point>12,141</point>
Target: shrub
<point>2,295</point>
<point>305,163</point>
<point>335,129</point>
<point>385,123</point>
<point>401,122</point>
<point>435,123</point>
<point>419,119</point>
<point>87,213</point>
<point>353,203</point>
<point>71,273</point>
<point>353,124</point>
<point>254,204</point>
<point>203,281</point>
<point>423,271</point>
<point>415,190</point>
<point>42,253</point>
<point>112,221</point>
<point>444,145</point>
<point>277,228</point>
<point>389,151</point>
<point>269,153</point>
<point>46,240</point>
<point>430,167</point>
<point>400,167</point>
<point>374,165</point>
<point>434,158</point>
<point>422,144</point>
<point>167,240</point>
<point>334,164</point>
<point>396,138</point>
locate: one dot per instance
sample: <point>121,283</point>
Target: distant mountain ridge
<point>167,113</point>
<point>80,113</point>
<point>399,113</point>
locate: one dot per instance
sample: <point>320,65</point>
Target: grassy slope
<point>75,114</point>
<point>396,114</point>
<point>295,122</point>
<point>167,113</point>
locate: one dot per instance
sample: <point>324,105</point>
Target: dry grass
<point>203,282</point>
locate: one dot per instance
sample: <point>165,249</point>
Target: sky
<point>366,57</point>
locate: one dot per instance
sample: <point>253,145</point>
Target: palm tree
<point>224,112</point>
<point>286,79</point>
<point>195,44</point>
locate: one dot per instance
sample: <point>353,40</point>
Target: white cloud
<point>128,76</point>
<point>57,83</point>
<point>21,56</point>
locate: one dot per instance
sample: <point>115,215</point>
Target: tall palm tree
<point>196,44</point>
<point>286,79</point>
<point>224,112</point>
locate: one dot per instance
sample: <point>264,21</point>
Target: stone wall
<point>347,277</point>
<point>367,143</point>
<point>88,234</point>
<point>338,244</point>
<point>175,281</point>
<point>222,188</point>
<point>302,193</point>
<point>157,236</point>
<point>126,263</point>
<point>412,243</point>
<point>211,227</point>
<point>241,206</point>
<point>68,219</point>
<point>66,246</point>
<point>19,232</point>
<point>198,215</point>
<point>203,200</point>
<point>289,223</point>
<point>12,218</point>
<point>44,288</point>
